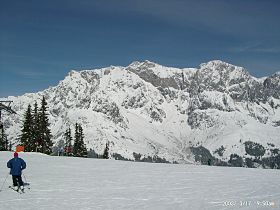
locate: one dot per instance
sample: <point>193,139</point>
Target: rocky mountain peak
<point>213,63</point>
<point>221,67</point>
<point>143,65</point>
<point>159,111</point>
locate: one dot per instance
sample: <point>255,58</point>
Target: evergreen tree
<point>26,137</point>
<point>44,143</point>
<point>79,148</point>
<point>35,127</point>
<point>68,142</point>
<point>106,151</point>
<point>76,140</point>
<point>83,149</point>
<point>3,139</point>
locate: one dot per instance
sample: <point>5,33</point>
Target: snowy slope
<point>75,183</point>
<point>158,111</point>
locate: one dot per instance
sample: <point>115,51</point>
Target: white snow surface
<point>66,183</point>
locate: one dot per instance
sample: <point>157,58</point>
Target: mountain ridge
<point>153,110</point>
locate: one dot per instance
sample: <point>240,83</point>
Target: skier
<point>16,165</point>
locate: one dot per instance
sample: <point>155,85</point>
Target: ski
<point>18,190</point>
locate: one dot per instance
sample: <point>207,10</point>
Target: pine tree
<point>68,142</point>
<point>106,151</point>
<point>79,148</point>
<point>26,137</point>
<point>3,139</point>
<point>35,127</point>
<point>76,140</point>
<point>83,148</point>
<point>44,142</point>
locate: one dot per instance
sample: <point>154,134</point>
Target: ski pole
<point>4,182</point>
<point>24,177</point>
<point>25,180</point>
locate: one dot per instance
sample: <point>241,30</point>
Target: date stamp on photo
<point>246,203</point>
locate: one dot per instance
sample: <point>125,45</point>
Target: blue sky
<point>41,41</point>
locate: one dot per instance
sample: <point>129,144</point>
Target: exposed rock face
<point>165,113</point>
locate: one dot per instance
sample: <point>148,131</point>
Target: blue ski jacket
<point>16,165</point>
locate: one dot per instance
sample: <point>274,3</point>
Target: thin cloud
<point>257,48</point>
<point>30,58</point>
<point>239,18</point>
<point>267,50</point>
<point>32,74</point>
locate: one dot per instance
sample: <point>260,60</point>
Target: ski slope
<point>74,183</point>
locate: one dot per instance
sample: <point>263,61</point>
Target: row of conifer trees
<point>78,149</point>
<point>36,135</point>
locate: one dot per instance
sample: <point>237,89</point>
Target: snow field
<point>77,183</point>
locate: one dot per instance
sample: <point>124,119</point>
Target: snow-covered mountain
<point>152,112</point>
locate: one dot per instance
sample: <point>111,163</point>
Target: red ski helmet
<point>15,154</point>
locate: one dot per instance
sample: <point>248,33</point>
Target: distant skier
<point>16,165</point>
